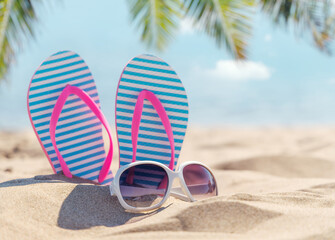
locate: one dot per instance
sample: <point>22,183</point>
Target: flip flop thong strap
<point>156,103</point>
<point>67,91</point>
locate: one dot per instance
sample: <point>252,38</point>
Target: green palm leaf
<point>156,19</point>
<point>315,16</point>
<point>227,21</point>
<point>16,19</point>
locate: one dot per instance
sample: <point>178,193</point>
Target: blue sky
<point>286,81</point>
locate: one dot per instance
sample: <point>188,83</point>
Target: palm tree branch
<point>16,19</point>
<point>314,16</point>
<point>156,19</point>
<point>227,21</point>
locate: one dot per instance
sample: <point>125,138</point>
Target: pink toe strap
<point>156,103</point>
<point>67,91</point>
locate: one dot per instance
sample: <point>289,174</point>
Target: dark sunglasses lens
<point>143,185</point>
<point>200,182</point>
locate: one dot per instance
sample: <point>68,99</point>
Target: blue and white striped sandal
<point>64,110</point>
<point>147,73</point>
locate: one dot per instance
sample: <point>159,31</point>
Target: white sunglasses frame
<point>175,192</point>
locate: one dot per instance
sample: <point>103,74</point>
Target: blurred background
<point>242,62</point>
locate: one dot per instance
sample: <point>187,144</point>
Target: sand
<point>274,183</point>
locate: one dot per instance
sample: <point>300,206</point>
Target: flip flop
<point>64,110</point>
<point>151,114</point>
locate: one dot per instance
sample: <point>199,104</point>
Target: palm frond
<point>16,19</point>
<point>229,22</point>
<point>156,19</point>
<point>314,16</point>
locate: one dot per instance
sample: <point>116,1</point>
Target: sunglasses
<point>146,185</point>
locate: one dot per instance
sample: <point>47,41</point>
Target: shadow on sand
<point>52,178</point>
<point>86,205</point>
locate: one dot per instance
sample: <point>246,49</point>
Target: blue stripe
<point>71,131</point>
<point>76,144</point>
<point>91,178</point>
<point>155,145</point>
<point>143,75</point>
<point>153,84</point>
<point>122,163</point>
<point>45,138</point>
<point>78,136</point>
<point>59,67</point>
<point>130,157</point>
<point>47,145</point>
<point>73,138</point>
<point>54,83</point>
<point>151,129</point>
<point>155,92</point>
<point>149,152</point>
<point>57,166</point>
<point>58,90</point>
<point>63,118</point>
<point>101,145</point>
<point>162,100</point>
<point>76,122</point>
<point>89,171</point>
<point>128,134</point>
<point>78,129</point>
<point>129,160</point>
<point>68,124</point>
<point>149,61</point>
<point>77,152</point>
<point>59,59</point>
<point>147,106</point>
<point>151,69</point>
<point>151,114</point>
<point>94,178</point>
<point>55,98</point>
<point>43,131</point>
<point>175,125</point>
<point>85,157</point>
<point>59,74</point>
<point>60,52</point>
<point>63,111</point>
<point>41,109</point>
<point>107,181</point>
<point>87,164</point>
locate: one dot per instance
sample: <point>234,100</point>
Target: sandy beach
<point>274,183</point>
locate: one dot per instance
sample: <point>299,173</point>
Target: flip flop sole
<point>79,131</point>
<point>153,74</point>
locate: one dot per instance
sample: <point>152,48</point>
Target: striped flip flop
<point>151,95</point>
<point>64,110</point>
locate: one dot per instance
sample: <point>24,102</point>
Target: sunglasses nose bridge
<point>173,176</point>
<point>172,179</point>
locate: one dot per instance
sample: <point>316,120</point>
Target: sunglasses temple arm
<point>178,193</point>
<point>111,189</point>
